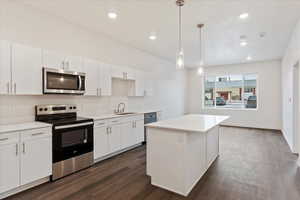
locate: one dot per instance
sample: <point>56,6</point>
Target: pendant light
<point>200,69</point>
<point>180,53</point>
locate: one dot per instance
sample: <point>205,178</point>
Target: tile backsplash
<point>18,109</point>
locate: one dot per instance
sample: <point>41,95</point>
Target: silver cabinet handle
<point>63,64</point>
<point>100,92</point>
<point>107,130</point>
<point>110,130</point>
<point>36,134</point>
<point>132,124</point>
<point>17,149</point>
<point>15,88</point>
<point>24,147</point>
<point>3,139</point>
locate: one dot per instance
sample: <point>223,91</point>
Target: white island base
<point>179,151</point>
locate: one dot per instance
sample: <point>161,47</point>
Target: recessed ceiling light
<point>243,43</point>
<point>152,36</point>
<point>112,15</point>
<point>249,58</point>
<point>244,16</point>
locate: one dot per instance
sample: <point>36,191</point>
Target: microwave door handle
<point>80,82</point>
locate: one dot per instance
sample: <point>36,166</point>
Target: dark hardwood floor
<point>253,165</point>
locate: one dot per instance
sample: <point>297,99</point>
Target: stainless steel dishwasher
<point>149,118</point>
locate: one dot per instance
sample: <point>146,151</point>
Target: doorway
<point>296,111</point>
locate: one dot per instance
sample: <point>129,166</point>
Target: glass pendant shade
<point>180,60</point>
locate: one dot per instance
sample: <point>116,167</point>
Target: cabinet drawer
<point>136,118</point>
<point>100,123</point>
<point>116,121</point>
<point>8,138</point>
<point>36,133</point>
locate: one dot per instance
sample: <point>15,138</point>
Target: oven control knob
<point>74,107</point>
<point>70,108</point>
<point>46,109</point>
<point>41,109</point>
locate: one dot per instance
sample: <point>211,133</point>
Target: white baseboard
<point>24,187</point>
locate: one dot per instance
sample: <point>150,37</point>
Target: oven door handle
<point>73,125</point>
<point>80,82</point>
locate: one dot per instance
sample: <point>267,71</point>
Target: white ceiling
<point>223,28</point>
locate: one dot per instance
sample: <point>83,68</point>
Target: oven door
<point>72,140</point>
<point>57,81</point>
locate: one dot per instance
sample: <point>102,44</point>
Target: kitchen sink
<point>125,113</point>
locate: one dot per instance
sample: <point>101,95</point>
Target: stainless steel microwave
<point>58,81</point>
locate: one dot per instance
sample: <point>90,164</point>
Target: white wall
<point>268,114</point>
<point>291,57</point>
<point>23,24</point>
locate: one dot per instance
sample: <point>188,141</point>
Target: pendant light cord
<point>180,30</point>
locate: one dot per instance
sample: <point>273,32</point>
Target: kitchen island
<point>179,151</point>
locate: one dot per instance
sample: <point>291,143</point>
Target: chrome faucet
<point>119,110</point>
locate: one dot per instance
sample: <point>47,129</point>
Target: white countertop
<point>190,123</point>
<point>110,116</point>
<point>22,126</point>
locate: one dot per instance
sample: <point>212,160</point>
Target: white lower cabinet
<point>101,145</point>
<point>127,135</point>
<point>25,157</point>
<point>9,162</point>
<point>114,135</point>
<point>139,131</point>
<point>36,157</point>
<point>114,138</point>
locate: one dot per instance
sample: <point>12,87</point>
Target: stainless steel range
<point>72,138</point>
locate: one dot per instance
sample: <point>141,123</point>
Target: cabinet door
<point>101,145</point>
<point>9,167</point>
<point>74,63</point>
<point>36,159</point>
<point>115,138</point>
<point>26,70</point>
<point>127,135</point>
<point>139,131</point>
<point>105,80</point>
<point>92,70</point>
<point>53,59</point>
<point>117,72</point>
<point>5,67</point>
<point>212,145</point>
<point>140,84</point>
<point>148,84</point>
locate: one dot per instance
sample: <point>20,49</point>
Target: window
<point>231,91</point>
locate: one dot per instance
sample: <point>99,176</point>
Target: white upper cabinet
<point>123,73</point>
<point>74,63</point>
<point>92,70</point>
<point>53,60</point>
<point>98,78</point>
<point>140,84</point>
<point>5,67</point>
<point>26,70</point>
<point>105,80</point>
